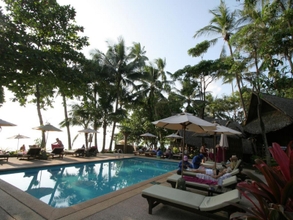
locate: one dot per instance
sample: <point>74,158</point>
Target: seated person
<point>159,152</point>
<point>185,163</point>
<point>212,172</point>
<point>203,150</point>
<point>22,148</point>
<point>197,160</point>
<point>58,142</point>
<point>231,162</point>
<point>168,153</point>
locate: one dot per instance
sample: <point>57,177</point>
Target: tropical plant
<point>224,23</point>
<point>272,198</point>
<point>125,65</point>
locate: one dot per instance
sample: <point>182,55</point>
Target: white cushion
<point>192,200</point>
<point>176,196</point>
<point>211,203</point>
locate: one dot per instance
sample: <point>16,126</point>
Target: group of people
<point>196,165</point>
<point>58,142</point>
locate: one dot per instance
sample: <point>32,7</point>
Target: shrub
<point>271,199</point>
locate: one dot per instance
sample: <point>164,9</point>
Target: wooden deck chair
<point>57,152</point>
<point>92,151</point>
<point>32,153</point>
<point>78,152</point>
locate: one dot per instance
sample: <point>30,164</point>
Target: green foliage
<point>274,195</point>
<point>199,49</point>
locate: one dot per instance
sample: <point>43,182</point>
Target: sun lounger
<point>57,152</point>
<point>92,151</point>
<point>78,152</point>
<point>211,164</point>
<point>32,153</point>
<point>193,202</point>
<point>4,157</point>
<point>227,184</point>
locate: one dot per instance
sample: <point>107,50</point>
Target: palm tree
<point>152,88</point>
<point>125,66</point>
<point>80,116</point>
<point>224,22</point>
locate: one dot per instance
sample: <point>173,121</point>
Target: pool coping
<point>81,210</point>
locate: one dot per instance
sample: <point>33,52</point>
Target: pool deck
<point>126,204</point>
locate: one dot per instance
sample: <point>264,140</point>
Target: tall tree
<point>125,65</point>
<point>48,49</point>
<point>204,73</point>
<point>224,23</point>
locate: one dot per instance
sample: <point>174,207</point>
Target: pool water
<point>68,185</point>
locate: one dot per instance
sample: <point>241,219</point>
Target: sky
<point>165,28</point>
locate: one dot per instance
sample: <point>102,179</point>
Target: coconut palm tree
<point>125,64</point>
<point>224,23</point>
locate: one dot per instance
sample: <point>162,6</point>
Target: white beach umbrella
<point>174,136</point>
<point>186,122</point>
<point>148,136</point>
<point>224,131</point>
<point>48,128</point>
<point>5,123</point>
<point>87,131</point>
<point>19,136</point>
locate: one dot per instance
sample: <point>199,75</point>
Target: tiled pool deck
<point>126,204</point>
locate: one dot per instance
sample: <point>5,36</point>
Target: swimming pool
<point>68,185</point>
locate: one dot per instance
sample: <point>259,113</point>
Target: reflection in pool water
<point>64,186</point>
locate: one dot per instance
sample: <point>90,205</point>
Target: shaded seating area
<point>32,153</point>
<point>208,206</point>
<point>200,184</point>
<point>80,152</point>
<point>57,152</point>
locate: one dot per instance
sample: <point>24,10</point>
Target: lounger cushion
<point>190,199</point>
<point>177,196</point>
<point>234,172</point>
<point>216,202</point>
<point>229,181</point>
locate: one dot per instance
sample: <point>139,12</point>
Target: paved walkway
<point>125,204</point>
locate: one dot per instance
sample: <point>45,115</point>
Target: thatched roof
<point>277,113</point>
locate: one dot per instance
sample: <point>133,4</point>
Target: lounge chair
<point>78,152</point>
<point>92,151</point>
<point>57,152</point>
<point>211,164</point>
<point>4,157</point>
<point>32,153</point>
<point>193,202</point>
<point>227,184</point>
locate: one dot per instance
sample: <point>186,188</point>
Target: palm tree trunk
<point>38,97</point>
<point>104,136</point>
<point>259,116</point>
<point>238,84</point>
<point>66,122</point>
